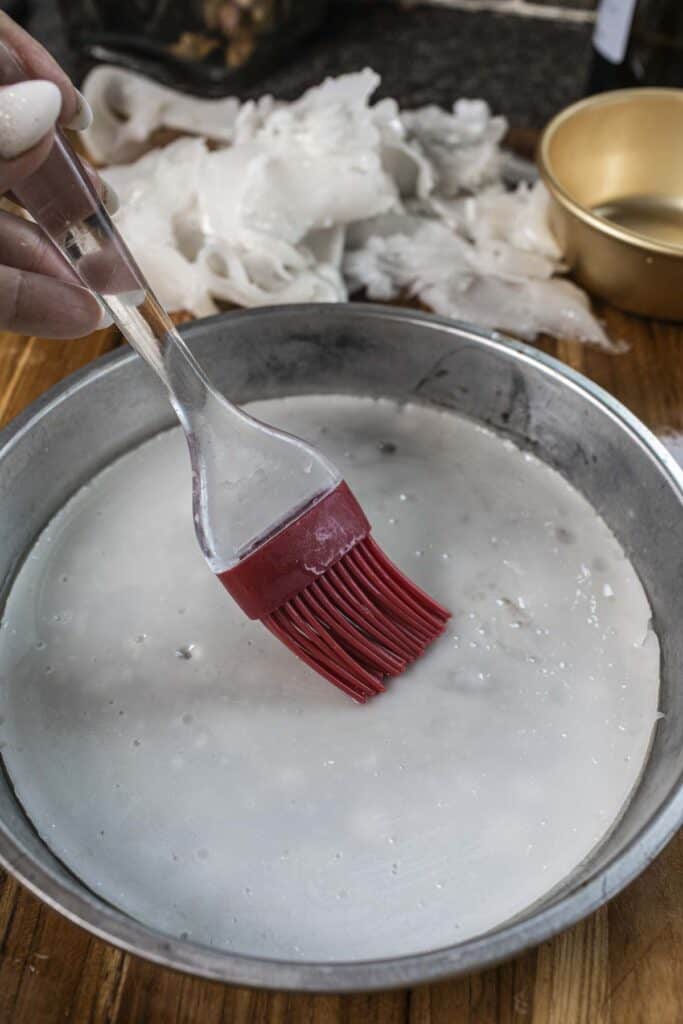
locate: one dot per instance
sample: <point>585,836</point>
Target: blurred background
<point>528,58</point>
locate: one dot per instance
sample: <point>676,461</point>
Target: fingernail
<point>110,198</point>
<point>105,320</point>
<point>27,112</point>
<point>82,119</point>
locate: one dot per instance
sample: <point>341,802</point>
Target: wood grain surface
<point>623,965</point>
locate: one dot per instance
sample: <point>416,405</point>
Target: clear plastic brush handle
<point>248,479</point>
<point>62,200</point>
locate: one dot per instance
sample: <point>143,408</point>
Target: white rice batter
<point>196,775</point>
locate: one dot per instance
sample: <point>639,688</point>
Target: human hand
<point>39,292</point>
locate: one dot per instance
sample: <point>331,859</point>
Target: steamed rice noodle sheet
<point>329,196</point>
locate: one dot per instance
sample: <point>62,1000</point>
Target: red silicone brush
<point>274,518</point>
<point>325,588</point>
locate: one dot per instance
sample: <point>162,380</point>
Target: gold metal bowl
<point>613,165</point>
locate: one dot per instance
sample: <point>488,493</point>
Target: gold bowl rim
<point>595,220</point>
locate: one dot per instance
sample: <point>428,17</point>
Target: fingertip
<point>83,116</point>
<point>88,313</point>
<point>106,320</point>
<point>74,311</point>
<point>39,64</point>
<point>110,198</point>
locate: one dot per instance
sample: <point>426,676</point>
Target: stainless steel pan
<point>115,403</point>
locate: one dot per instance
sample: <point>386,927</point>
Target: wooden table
<point>623,965</point>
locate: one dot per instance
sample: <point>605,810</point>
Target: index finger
<point>38,63</point>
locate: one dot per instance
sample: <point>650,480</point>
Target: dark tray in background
<point>526,67</point>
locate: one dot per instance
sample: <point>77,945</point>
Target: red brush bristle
<point>363,621</point>
<point>326,590</point>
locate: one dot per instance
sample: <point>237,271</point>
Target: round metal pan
<point>115,403</point>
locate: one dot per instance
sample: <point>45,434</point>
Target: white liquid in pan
<point>188,769</point>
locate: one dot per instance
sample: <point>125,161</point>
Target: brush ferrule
<point>298,554</point>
